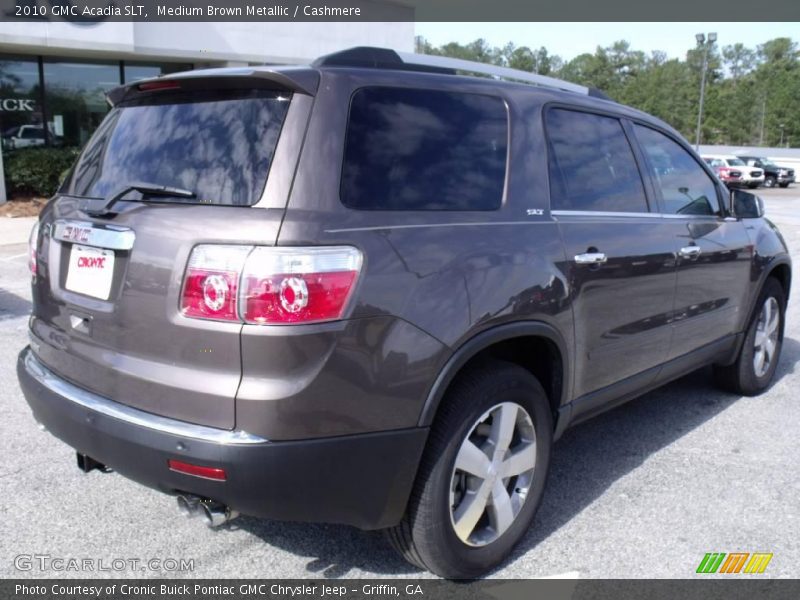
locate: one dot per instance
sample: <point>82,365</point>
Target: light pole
<point>781,126</point>
<point>701,40</point>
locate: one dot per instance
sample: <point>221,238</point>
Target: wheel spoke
<point>769,350</point>
<point>522,460</point>
<point>501,512</point>
<point>772,323</point>
<point>469,512</point>
<point>472,460</point>
<point>760,337</point>
<point>503,422</point>
<point>767,312</point>
<point>758,361</point>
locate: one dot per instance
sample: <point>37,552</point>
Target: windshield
<point>218,145</point>
<point>736,162</point>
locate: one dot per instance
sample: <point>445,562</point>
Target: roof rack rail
<point>383,58</point>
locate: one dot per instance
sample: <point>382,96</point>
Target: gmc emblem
<point>76,234</point>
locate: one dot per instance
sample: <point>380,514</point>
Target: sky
<point>568,40</point>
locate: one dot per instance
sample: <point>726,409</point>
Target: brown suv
<point>374,291</point>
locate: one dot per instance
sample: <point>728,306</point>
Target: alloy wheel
<point>766,338</point>
<point>493,473</point>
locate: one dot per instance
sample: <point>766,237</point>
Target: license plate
<point>90,271</point>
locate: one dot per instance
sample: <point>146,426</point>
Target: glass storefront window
<point>21,115</point>
<point>138,71</point>
<point>75,98</point>
<point>68,110</point>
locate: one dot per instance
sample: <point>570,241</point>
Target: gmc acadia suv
<point>374,291</point>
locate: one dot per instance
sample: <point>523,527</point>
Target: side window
<point>591,164</point>
<point>686,189</point>
<point>413,149</point>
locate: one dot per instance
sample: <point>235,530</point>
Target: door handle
<point>690,251</point>
<point>591,258</point>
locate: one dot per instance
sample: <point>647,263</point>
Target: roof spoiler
<point>298,80</point>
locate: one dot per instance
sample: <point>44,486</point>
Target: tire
<point>471,413</point>
<point>784,184</point>
<point>744,377</point>
<point>753,186</point>
<point>769,182</point>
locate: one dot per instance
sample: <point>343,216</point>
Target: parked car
<point>730,176</point>
<point>751,177</point>
<point>374,292</point>
<point>26,136</point>
<point>774,175</point>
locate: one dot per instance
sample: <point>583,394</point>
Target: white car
<point>751,176</point>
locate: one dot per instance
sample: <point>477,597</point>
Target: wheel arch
<point>504,341</point>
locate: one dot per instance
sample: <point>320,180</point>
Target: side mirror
<point>745,205</point>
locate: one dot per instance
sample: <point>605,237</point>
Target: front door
<point>714,251</point>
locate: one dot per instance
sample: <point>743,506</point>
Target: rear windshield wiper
<point>146,189</point>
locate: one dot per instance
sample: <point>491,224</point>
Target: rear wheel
<point>754,368</point>
<point>482,474</point>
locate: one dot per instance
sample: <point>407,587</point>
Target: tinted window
<point>591,164</point>
<point>685,186</point>
<point>409,149</point>
<point>218,145</point>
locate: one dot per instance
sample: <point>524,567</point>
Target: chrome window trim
<point>111,237</point>
<point>603,213</point>
<point>630,215</point>
<point>130,415</point>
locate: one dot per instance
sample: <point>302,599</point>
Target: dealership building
<point>53,75</point>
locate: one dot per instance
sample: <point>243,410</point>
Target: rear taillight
<point>269,286</point>
<point>32,243</point>
<point>211,283</point>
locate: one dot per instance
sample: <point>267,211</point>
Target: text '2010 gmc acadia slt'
<point>374,291</point>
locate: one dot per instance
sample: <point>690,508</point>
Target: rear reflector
<point>197,470</point>
<point>269,286</point>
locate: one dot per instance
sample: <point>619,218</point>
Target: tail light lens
<point>302,285</point>
<point>269,286</point>
<point>211,284</point>
<point>32,243</point>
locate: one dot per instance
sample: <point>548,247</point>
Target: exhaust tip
<point>188,505</point>
<point>217,514</point>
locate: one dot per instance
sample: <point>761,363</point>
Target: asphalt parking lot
<point>642,491</point>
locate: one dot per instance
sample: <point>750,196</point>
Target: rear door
<point>620,261</point>
<point>107,294</point>
<point>714,251</point>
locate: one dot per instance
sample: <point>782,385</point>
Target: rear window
<point>412,149</point>
<point>216,144</point>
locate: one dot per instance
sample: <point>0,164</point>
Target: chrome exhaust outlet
<point>188,504</point>
<point>217,514</point>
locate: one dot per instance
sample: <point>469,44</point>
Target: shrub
<point>37,171</point>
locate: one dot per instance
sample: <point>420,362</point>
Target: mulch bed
<point>22,207</point>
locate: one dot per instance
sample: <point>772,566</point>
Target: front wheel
<point>753,185</point>
<point>482,475</point>
<point>785,184</point>
<point>754,368</point>
<point>769,182</point>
